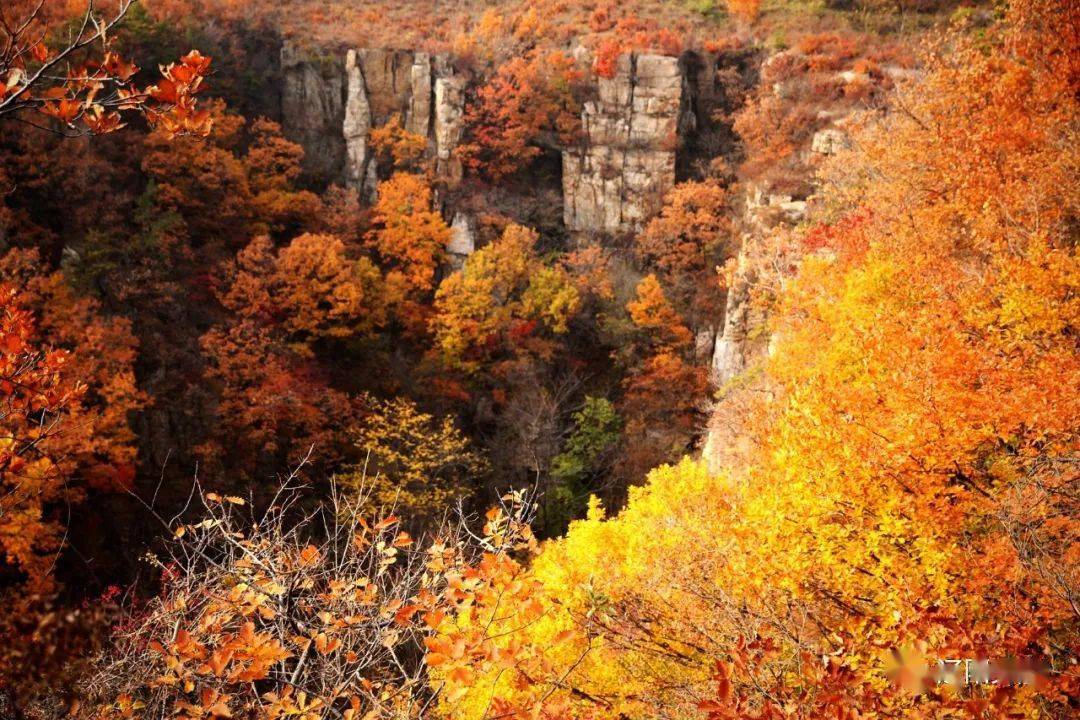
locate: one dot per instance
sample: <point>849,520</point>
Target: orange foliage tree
<point>273,394</point>
<point>912,494</point>
<point>651,312</point>
<point>34,389</point>
<point>86,441</point>
<point>747,10</point>
<point>409,236</point>
<point>234,184</point>
<point>275,404</point>
<point>686,242</point>
<point>98,443</point>
<point>500,301</point>
<point>662,391</point>
<point>312,288</point>
<point>69,394</point>
<point>528,103</point>
<point>84,92</point>
<point>395,147</point>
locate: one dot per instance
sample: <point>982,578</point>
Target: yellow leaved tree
<point>912,492</point>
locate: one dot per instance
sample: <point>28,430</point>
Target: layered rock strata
<point>616,178</point>
<point>330,105</point>
<point>313,111</point>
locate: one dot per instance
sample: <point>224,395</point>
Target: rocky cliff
<point>655,119</point>
<point>313,110</point>
<point>743,340</point>
<point>615,180</point>
<point>331,103</point>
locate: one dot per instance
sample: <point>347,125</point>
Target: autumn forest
<point>539,360</point>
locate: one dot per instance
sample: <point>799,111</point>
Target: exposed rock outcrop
<point>449,124</point>
<point>704,343</point>
<point>615,180</point>
<point>388,80</point>
<point>418,115</point>
<point>715,87</point>
<point>741,343</point>
<point>829,141</point>
<point>462,240</point>
<point>420,93</point>
<point>654,117</point>
<point>331,103</point>
<point>312,110</point>
<point>765,210</point>
<point>731,352</point>
<point>356,125</point>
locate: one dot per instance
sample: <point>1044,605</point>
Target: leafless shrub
<point>317,615</point>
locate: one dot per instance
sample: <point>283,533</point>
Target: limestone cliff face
<point>462,240</point>
<point>313,110</point>
<point>732,350</point>
<point>616,178</point>
<point>330,105</point>
<point>613,180</point>
<point>449,124</point>
<point>654,115</point>
<point>742,337</point>
<point>359,166</point>
<point>744,341</point>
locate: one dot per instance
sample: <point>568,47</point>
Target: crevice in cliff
<point>629,129</point>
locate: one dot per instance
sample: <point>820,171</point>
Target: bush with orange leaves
<point>804,89</point>
<point>84,93</point>
<point>61,451</point>
<point>747,10</point>
<point>397,148</point>
<point>35,395</point>
<point>267,617</point>
<point>629,35</point>
<point>528,103</point>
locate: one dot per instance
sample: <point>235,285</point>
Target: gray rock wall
<point>449,124</point>
<point>613,180</point>
<point>617,177</point>
<point>356,126</point>
<point>331,103</point>
<point>313,110</point>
